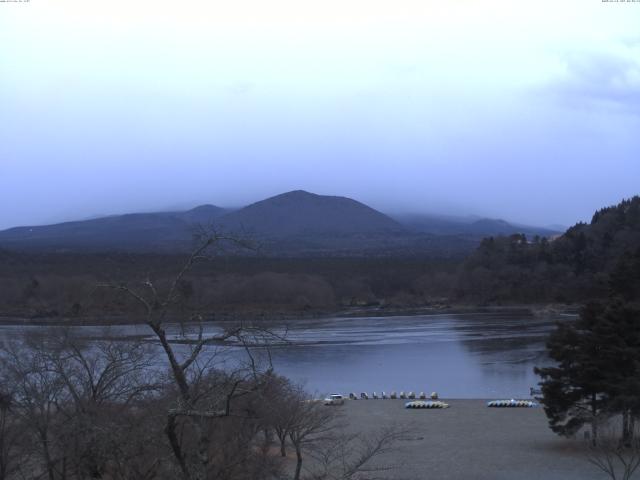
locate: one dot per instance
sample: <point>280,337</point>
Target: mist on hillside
<point>423,108</point>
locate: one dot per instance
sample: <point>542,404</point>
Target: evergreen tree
<point>598,370</point>
<point>574,391</point>
<point>618,330</point>
<point>625,277</point>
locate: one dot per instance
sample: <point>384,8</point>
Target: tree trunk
<point>283,441</point>
<point>48,460</point>
<point>203,448</point>
<point>268,440</point>
<point>298,462</point>
<point>626,430</point>
<point>171,433</point>
<point>176,368</point>
<point>594,433</point>
<point>594,421</point>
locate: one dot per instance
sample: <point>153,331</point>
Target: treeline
<point>64,285</point>
<point>516,269</point>
<point>574,267</point>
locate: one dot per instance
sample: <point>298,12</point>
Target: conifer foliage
<point>597,371</point>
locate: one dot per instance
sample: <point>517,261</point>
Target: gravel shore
<point>470,441</point>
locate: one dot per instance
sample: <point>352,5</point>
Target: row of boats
<point>422,402</point>
<point>493,403</point>
<point>427,404</point>
<point>512,403</point>
<point>393,396</point>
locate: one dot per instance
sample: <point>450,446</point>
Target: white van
<point>334,399</point>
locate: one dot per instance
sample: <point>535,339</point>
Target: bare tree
<point>79,403</point>
<point>618,459</point>
<point>197,405</point>
<point>104,381</point>
<point>11,437</point>
<point>345,456</point>
<point>102,408</point>
<point>36,394</point>
<point>320,432</point>
<point>310,422</point>
<point>282,400</point>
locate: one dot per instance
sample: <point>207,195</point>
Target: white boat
<point>512,403</point>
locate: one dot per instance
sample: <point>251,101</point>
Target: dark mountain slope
<point>294,223</point>
<point>204,214</point>
<point>482,227</point>
<point>302,213</point>
<point>136,232</point>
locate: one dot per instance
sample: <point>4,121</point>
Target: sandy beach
<point>470,441</point>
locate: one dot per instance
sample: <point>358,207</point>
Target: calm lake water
<point>473,355</point>
<point>459,356</point>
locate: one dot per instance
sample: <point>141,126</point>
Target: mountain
<point>160,231</point>
<point>293,223</point>
<point>301,213</point>
<point>470,226</point>
<point>203,214</point>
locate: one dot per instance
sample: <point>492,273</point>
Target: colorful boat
<point>427,404</point>
<point>512,403</point>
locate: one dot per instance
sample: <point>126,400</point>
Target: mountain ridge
<point>300,212</point>
<point>297,221</point>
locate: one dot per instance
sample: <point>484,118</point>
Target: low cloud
<point>608,80</point>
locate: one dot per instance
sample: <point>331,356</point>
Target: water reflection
<point>480,355</point>
<point>460,356</point>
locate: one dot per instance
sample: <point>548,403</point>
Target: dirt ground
<point>470,441</point>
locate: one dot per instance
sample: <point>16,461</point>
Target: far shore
<point>288,316</point>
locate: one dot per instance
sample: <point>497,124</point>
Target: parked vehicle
<point>334,399</point>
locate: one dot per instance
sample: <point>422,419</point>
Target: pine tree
<point>618,329</point>
<point>598,370</point>
<point>574,391</point>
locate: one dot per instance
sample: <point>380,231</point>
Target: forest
<point>503,270</point>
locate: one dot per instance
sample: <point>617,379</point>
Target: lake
<point>458,355</point>
<point>463,355</point>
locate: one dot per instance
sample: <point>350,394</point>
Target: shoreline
<point>360,312</point>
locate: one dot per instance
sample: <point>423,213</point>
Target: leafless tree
<point>310,422</point>
<point>346,456</point>
<point>282,400</point>
<point>320,432</point>
<point>78,404</point>
<point>199,402</point>
<point>36,394</point>
<point>11,437</point>
<point>106,409</point>
<point>105,380</point>
<point>618,459</point>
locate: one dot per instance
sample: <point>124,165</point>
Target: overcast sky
<point>528,111</point>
